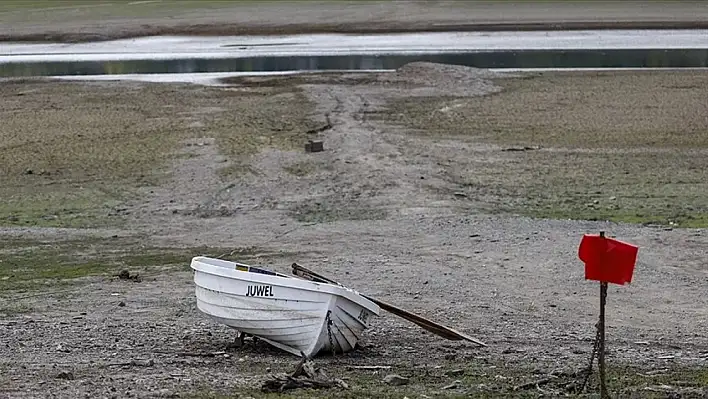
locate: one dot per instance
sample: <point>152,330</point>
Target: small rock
<point>454,385</point>
<point>121,304</point>
<point>460,194</point>
<point>61,348</point>
<point>29,172</point>
<point>143,363</point>
<point>395,380</point>
<point>65,375</point>
<point>456,372</point>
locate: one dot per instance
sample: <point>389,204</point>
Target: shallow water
<point>175,55</point>
<point>167,47</point>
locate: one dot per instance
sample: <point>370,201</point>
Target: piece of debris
<point>142,363</point>
<point>395,380</point>
<point>460,194</point>
<point>65,375</point>
<point>524,148</point>
<point>369,367</point>
<point>133,363</point>
<point>306,375</point>
<point>126,275</point>
<point>314,146</point>
<point>455,384</point>
<point>121,304</point>
<point>456,372</point>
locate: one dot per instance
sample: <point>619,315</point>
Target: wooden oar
<point>435,328</point>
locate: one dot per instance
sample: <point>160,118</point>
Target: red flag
<point>607,260</point>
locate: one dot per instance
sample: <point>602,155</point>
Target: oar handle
<point>300,271</point>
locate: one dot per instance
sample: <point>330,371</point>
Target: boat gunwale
<point>202,264</point>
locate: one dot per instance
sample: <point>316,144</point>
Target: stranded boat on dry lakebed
<point>306,314</point>
<point>292,314</point>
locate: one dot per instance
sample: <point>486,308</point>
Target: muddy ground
<point>77,20</point>
<point>401,205</point>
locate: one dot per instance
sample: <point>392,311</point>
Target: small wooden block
<point>314,146</point>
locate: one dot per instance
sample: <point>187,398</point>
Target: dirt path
<point>121,20</point>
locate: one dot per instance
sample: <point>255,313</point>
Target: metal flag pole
<point>601,344</point>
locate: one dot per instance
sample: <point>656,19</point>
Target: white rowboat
<point>295,315</point>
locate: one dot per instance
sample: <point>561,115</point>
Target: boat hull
<point>298,316</point>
